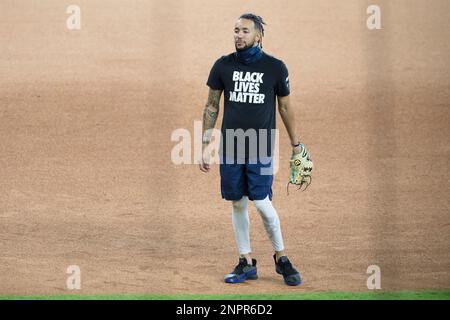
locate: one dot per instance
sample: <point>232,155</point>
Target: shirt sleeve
<point>214,80</point>
<point>282,86</point>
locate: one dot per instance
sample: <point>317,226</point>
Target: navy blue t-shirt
<point>249,101</point>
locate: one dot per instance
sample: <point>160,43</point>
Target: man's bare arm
<point>210,114</point>
<point>288,117</point>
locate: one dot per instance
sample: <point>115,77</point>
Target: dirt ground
<point>86,118</point>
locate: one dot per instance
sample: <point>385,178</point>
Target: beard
<point>246,47</point>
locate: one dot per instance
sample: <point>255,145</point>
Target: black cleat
<point>290,274</point>
<point>242,272</point>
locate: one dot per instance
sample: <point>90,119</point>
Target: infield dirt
<point>86,118</point>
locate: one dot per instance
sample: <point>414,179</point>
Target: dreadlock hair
<point>257,20</point>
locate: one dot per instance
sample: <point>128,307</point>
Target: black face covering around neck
<point>250,55</point>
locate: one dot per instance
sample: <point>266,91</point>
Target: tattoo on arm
<point>211,111</point>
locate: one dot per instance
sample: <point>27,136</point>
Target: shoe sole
<point>296,283</point>
<point>293,284</point>
<point>239,278</point>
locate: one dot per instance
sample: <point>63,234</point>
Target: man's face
<point>245,34</point>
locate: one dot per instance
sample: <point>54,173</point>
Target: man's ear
<point>258,38</point>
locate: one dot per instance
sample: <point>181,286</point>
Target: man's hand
<point>205,161</point>
<point>297,150</point>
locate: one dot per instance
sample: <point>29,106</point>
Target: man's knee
<point>240,205</point>
<point>263,206</point>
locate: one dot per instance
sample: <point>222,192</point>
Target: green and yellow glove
<point>301,167</point>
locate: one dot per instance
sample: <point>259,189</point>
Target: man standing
<point>251,81</point>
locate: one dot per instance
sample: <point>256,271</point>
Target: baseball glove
<point>301,167</point>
